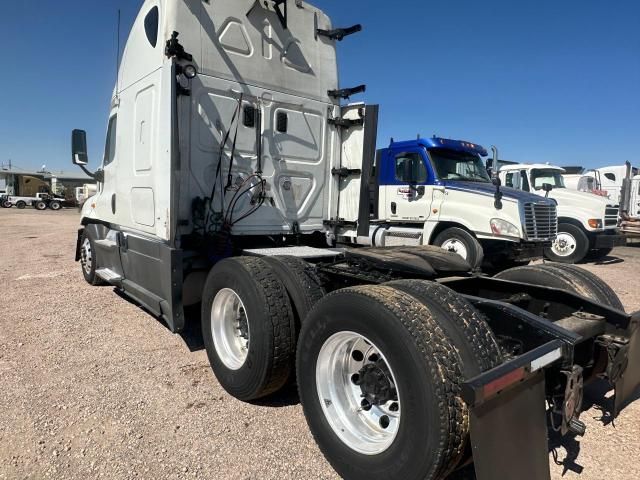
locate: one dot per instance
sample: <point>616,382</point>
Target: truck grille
<point>611,216</point>
<point>540,221</point>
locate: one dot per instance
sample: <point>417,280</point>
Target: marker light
<point>595,223</point>
<point>190,71</point>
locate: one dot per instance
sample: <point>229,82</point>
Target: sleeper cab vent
<point>282,122</point>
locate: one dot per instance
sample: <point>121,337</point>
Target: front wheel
<point>378,381</point>
<point>570,246</point>
<point>88,260</point>
<point>458,240</point>
<point>6,204</point>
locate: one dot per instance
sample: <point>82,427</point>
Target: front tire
<point>6,204</point>
<point>570,246</point>
<point>379,385</point>
<point>460,241</point>
<point>89,260</point>
<point>248,328</point>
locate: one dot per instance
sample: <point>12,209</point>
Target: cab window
<point>110,147</point>
<point>410,168</point>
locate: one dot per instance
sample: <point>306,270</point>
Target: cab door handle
<point>394,207</point>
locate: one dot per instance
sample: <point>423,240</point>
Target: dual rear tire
<point>379,368</point>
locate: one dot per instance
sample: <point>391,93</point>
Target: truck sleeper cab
<point>587,224</point>
<point>441,187</point>
<point>231,168</point>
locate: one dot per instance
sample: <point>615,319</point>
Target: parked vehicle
<point>630,204</point>
<point>587,224</point>
<point>428,186</point>
<point>41,201</point>
<point>82,194</point>
<point>252,168</point>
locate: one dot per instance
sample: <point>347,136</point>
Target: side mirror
<point>496,181</point>
<point>547,187</point>
<point>79,148</point>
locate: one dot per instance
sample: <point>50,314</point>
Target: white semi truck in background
<point>587,224</point>
<point>231,170</point>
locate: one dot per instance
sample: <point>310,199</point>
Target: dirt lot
<point>91,386</point>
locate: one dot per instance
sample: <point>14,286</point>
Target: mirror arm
<point>98,176</point>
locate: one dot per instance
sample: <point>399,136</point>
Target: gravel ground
<point>91,386</point>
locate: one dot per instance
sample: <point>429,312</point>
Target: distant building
<point>17,181</point>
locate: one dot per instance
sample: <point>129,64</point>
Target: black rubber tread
<point>582,247</point>
<point>474,249</point>
<point>565,277</point>
<point>40,205</point>
<point>599,253</point>
<point>465,323</point>
<point>21,205</point>
<point>55,205</point>
<point>303,284</point>
<point>92,278</point>
<point>601,290</point>
<point>442,362</point>
<point>274,302</point>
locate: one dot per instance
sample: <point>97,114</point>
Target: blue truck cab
<point>441,187</point>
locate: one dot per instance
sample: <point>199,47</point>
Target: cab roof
<point>528,166</point>
<point>437,142</point>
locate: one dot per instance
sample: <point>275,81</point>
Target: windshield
<point>552,177</point>
<point>452,165</point>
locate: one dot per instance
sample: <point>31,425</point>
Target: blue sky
<point>555,81</point>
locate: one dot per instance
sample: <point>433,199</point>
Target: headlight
<point>595,223</point>
<point>504,228</point>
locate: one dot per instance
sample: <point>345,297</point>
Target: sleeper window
<point>110,147</point>
<point>151,26</point>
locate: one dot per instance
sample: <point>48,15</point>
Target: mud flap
<point>629,382</point>
<point>509,434</point>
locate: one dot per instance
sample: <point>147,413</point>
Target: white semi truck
<point>231,168</point>
<point>587,223</point>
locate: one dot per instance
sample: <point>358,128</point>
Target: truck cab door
<point>358,127</point>
<point>407,186</point>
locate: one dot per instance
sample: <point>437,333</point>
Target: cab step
<point>109,275</point>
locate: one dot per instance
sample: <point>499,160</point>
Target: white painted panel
<point>304,139</point>
<point>143,206</point>
<point>351,158</point>
<point>144,119</point>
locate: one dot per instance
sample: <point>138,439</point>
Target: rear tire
<point>248,328</point>
<point>302,283</point>
<point>40,205</point>
<point>565,277</point>
<point>21,205</point>
<point>460,241</point>
<point>571,245</point>
<point>55,205</point>
<point>413,354</point>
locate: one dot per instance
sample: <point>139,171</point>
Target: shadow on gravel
<point>286,397</point>
<point>608,261</point>
<point>192,333</point>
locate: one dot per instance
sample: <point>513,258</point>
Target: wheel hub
<point>377,388</point>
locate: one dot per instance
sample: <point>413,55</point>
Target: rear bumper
<point>609,241</point>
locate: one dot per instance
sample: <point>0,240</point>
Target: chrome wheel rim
<point>455,246</point>
<point>346,365</point>
<point>564,244</point>
<point>230,329</point>
<point>86,256</point>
